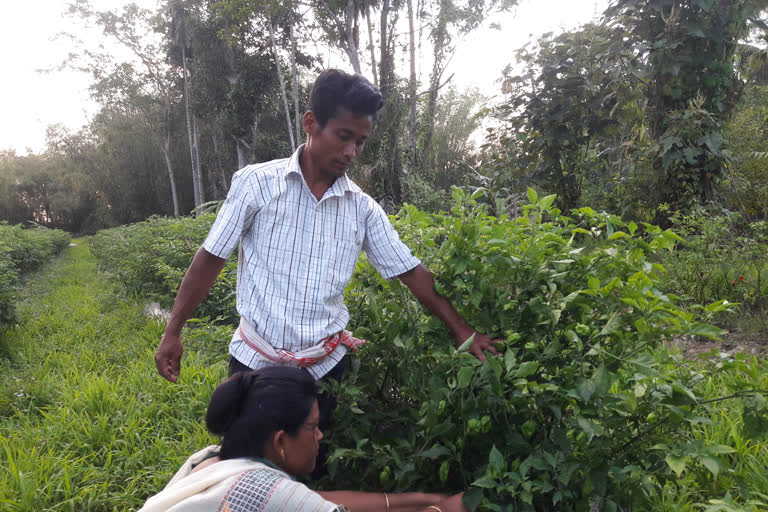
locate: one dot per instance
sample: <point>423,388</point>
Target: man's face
<point>336,146</point>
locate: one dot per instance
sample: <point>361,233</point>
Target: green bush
<point>150,258</point>
<point>723,256</point>
<point>22,251</point>
<point>580,408</point>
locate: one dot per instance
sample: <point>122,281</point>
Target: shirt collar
<point>342,184</point>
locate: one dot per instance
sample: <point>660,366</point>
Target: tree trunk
<point>412,85</point>
<point>388,167</point>
<point>371,47</point>
<point>351,35</point>
<point>242,152</point>
<point>198,171</point>
<point>282,83</point>
<point>434,83</point>
<point>166,149</point>
<point>297,114</point>
<point>194,154</point>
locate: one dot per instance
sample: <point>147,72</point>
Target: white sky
<point>30,101</point>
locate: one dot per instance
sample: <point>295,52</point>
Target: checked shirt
<point>298,254</point>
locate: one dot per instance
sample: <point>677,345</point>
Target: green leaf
<point>612,325</point>
<point>472,498</point>
<point>496,459</point>
<point>465,376</point>
<point>526,369</point>
<point>590,428</point>
<point>486,482</point>
<point>677,463</point>
<point>532,195</point>
<point>711,463</point>
<point>547,201</point>
<point>707,330</point>
<point>465,346</point>
<point>435,452</point>
<point>593,283</point>
<point>509,360</point>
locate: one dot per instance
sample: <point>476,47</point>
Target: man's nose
<point>350,150</point>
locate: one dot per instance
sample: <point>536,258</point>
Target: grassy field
<point>85,421</point>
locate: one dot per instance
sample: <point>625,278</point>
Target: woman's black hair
<point>247,408</point>
<point>335,89</point>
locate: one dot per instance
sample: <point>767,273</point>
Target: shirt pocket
<point>340,255</point>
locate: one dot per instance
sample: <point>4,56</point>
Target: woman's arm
<point>356,501</point>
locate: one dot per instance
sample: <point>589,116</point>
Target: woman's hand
<point>451,504</point>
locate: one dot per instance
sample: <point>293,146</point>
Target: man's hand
<point>422,285</point>
<point>168,357</point>
<point>194,287</point>
<point>483,343</point>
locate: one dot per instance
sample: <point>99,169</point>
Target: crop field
<point>586,409</point>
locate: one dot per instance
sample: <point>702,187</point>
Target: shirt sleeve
<point>235,217</point>
<point>382,245</point>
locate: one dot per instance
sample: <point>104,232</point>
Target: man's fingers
<point>167,367</point>
<point>478,352</point>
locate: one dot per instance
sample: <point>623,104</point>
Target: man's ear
<point>309,123</point>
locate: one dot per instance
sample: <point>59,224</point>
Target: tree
<point>451,17</point>
<point>121,82</point>
<point>181,12</point>
<point>562,113</point>
<point>687,48</point>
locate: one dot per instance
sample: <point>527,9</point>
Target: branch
<point>436,88</point>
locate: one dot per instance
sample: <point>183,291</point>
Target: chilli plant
<point>581,409</point>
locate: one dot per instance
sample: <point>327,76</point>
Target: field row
<point>21,251</point>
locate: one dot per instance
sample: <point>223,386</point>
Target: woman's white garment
<point>235,485</point>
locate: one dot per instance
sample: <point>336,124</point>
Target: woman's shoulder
<point>272,490</point>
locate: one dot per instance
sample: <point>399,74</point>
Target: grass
<point>85,421</point>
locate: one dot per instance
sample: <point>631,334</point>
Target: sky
<point>31,100</point>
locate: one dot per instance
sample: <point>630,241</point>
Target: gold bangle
<point>387,500</point>
<point>434,507</point>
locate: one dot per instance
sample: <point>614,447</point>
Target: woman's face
<point>301,449</point>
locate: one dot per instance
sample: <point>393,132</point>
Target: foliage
<point>85,422</point>
<point>21,251</point>
<point>687,50</point>
<point>581,407</point>
<point>150,258</point>
<point>747,134</point>
<point>723,257</point>
<point>560,114</point>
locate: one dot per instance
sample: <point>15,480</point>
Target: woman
<point>267,420</point>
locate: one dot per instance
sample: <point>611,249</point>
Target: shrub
<point>579,409</point>
<point>150,258</point>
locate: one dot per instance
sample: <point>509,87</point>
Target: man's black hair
<point>335,90</point>
<point>247,408</point>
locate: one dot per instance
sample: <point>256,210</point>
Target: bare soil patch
<point>735,341</point>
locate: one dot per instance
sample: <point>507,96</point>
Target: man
<point>301,224</point>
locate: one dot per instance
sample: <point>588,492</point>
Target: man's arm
<point>419,281</point>
<point>201,274</point>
